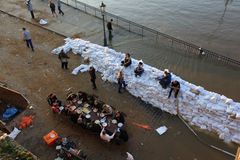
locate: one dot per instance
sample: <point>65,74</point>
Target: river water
<point>212,24</point>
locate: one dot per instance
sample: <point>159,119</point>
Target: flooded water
<point>212,24</point>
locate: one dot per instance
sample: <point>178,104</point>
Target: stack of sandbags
<point>207,110</point>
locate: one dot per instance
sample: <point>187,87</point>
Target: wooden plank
<point>238,154</point>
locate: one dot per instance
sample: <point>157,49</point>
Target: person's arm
<point>101,134</point>
<point>112,136</point>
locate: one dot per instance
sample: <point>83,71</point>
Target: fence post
<point>95,12</point>
<point>129,26</point>
<point>142,31</point>
<point>76,3</point>
<point>67,2</point>
<point>85,8</point>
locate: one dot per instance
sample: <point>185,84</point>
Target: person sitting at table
<point>175,86</point>
<point>98,104</point>
<point>82,96</point>
<point>127,60</point>
<point>107,110</point>
<point>71,96</point>
<point>165,80</point>
<point>139,69</point>
<point>119,117</point>
<point>106,137</point>
<point>52,98</point>
<point>55,108</point>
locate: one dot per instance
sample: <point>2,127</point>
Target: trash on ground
<point>14,133</point>
<point>161,130</point>
<point>43,21</point>
<point>26,121</point>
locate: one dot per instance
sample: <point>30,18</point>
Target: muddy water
<point>212,24</point>
<point>40,75</point>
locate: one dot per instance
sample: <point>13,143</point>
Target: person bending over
<point>106,137</point>
<point>175,86</point>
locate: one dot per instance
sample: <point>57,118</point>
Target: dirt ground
<point>37,74</point>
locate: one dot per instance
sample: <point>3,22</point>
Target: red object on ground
<point>142,126</point>
<point>25,122</point>
<point>50,138</point>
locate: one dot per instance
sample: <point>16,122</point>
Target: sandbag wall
<point>207,110</point>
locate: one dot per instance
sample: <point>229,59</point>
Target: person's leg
<point>32,14</point>
<point>109,34</point>
<point>124,84</point>
<point>27,42</point>
<point>94,84</point>
<point>119,86</point>
<point>60,11</point>
<point>176,93</point>
<point>170,93</point>
<point>30,43</point>
<point>62,65</point>
<point>66,65</point>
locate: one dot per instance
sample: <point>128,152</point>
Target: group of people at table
<point>91,113</point>
<point>165,80</point>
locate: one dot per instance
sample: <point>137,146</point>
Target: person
<point>82,96</point>
<point>119,117</point>
<point>121,82</point>
<point>93,76</point>
<point>27,38</point>
<point>52,98</point>
<point>29,7</point>
<point>52,7</point>
<point>129,156</point>
<point>109,27</point>
<point>71,96</point>
<point>59,8</point>
<point>165,80</point>
<point>127,60</point>
<point>64,59</point>
<point>201,52</point>
<point>107,110</point>
<point>106,137</point>
<point>139,69</point>
<point>175,86</point>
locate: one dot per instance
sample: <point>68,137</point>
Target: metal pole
<point>104,32</point>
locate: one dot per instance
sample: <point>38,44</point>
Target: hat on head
<point>166,70</point>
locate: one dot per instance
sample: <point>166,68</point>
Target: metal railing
<point>145,31</point>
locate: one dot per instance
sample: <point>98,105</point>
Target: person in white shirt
<point>129,156</point>
<point>106,137</point>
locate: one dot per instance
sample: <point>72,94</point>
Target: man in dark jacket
<point>109,27</point>
<point>93,76</point>
<point>175,86</point>
<point>64,59</point>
